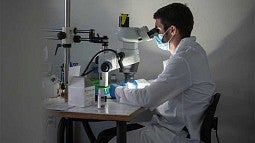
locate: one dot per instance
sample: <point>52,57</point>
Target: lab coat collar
<point>185,41</point>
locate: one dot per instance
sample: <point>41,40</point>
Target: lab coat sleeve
<point>174,79</point>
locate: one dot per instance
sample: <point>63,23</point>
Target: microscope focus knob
<point>106,66</point>
<point>77,39</point>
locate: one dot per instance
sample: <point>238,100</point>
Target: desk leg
<point>65,125</point>
<point>61,130</point>
<point>121,132</point>
<point>69,131</point>
<point>89,131</point>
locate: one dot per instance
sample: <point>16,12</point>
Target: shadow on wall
<point>232,66</point>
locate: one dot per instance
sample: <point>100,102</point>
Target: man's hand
<point>112,90</point>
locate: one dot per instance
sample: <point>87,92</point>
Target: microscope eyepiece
<point>153,32</point>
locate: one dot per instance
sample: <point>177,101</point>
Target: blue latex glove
<point>114,86</point>
<point>112,90</point>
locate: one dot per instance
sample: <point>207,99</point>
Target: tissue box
<point>81,92</point>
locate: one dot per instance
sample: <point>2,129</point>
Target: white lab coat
<point>178,97</point>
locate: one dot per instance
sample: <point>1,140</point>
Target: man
<point>182,92</point>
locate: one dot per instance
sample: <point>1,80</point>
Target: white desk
<point>113,111</point>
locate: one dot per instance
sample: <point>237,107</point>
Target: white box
<point>50,89</point>
<point>81,92</point>
<point>73,71</point>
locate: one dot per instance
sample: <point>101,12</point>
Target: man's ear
<point>173,30</point>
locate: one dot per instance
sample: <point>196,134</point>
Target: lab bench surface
<point>113,111</point>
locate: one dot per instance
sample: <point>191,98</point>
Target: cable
<point>84,73</point>
<point>88,72</point>
<point>118,57</point>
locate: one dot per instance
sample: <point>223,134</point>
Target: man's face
<point>160,26</point>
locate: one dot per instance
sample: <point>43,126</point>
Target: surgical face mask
<point>160,43</point>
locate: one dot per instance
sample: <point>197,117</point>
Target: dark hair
<point>176,14</point>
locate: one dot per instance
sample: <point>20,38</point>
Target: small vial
<point>100,98</point>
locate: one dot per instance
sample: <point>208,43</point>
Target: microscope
<point>129,52</point>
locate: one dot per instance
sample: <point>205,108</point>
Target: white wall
<point>21,108</point>
<point>1,74</point>
<point>232,64</point>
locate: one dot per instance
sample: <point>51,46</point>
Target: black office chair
<point>210,121</point>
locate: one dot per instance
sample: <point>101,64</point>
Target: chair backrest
<point>209,120</point>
